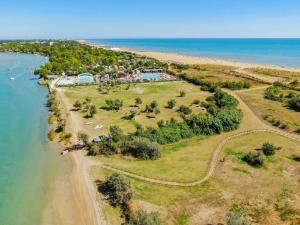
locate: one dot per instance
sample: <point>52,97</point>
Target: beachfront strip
<point>138,75</point>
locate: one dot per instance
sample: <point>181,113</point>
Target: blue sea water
<point>282,52</point>
<point>28,162</point>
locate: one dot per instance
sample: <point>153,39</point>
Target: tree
<point>142,148</point>
<point>138,101</point>
<point>268,149</point>
<point>222,99</point>
<point>171,104</point>
<point>118,189</point>
<point>185,110</point>
<point>92,110</point>
<point>77,105</point>
<point>144,218</point>
<point>83,137</point>
<point>116,133</point>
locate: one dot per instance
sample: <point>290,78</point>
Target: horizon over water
<point>283,52</point>
<point>28,161</point>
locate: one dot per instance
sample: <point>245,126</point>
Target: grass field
<point>162,92</point>
<point>277,110</point>
<point>215,73</point>
<point>290,75</point>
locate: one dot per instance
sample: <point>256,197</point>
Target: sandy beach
<point>74,192</point>
<point>186,59</point>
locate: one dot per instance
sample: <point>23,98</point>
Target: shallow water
<point>28,161</point>
<point>282,52</point>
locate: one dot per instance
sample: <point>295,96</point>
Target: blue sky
<point>149,18</point>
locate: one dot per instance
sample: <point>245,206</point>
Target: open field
<point>277,110</point>
<point>290,75</point>
<point>160,92</point>
<point>214,73</point>
<point>262,188</point>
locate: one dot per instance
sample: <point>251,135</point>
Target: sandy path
<point>74,200</point>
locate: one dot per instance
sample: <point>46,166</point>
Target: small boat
<point>12,78</point>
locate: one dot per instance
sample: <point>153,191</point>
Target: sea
<point>283,52</point>
<point>29,163</point>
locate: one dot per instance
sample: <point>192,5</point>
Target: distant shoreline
<point>190,59</point>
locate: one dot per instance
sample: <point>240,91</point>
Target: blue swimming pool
<point>149,76</point>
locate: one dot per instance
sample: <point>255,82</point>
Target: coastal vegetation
<point>209,77</point>
<point>73,58</point>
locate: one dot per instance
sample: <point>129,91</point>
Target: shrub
<point>144,218</point>
<point>142,148</point>
<point>171,104</point>
<point>273,93</point>
<point>254,159</point>
<point>296,158</point>
<point>108,147</point>
<point>118,189</point>
<point>196,102</point>
<point>222,99</point>
<point>230,118</point>
<point>294,103</point>
<point>236,218</point>
<point>114,104</point>
<point>268,149</point>
<point>92,110</point>
<point>138,101</point>
<point>116,133</point>
<point>185,110</point>
<point>77,105</point>
<point>83,137</point>
<point>204,124</point>
<point>235,85</point>
<point>182,94</point>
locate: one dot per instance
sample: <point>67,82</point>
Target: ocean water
<point>282,52</point>
<point>28,162</point>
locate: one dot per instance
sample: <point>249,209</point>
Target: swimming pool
<point>150,76</point>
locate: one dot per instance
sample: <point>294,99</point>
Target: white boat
<point>12,78</point>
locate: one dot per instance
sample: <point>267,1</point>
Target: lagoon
<point>28,161</point>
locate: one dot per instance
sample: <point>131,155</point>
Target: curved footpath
<point>214,160</point>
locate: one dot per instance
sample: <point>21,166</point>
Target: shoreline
<point>74,192</point>
<point>191,59</point>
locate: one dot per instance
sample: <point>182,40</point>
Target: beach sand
<point>186,59</point>
<point>74,192</point>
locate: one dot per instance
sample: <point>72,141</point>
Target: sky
<point>82,19</point>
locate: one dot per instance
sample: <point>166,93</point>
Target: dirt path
<point>254,76</point>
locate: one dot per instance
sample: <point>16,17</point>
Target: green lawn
<point>159,91</point>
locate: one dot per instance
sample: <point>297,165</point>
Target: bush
<point>296,158</point>
<point>142,148</point>
<point>116,133</point>
<point>230,118</point>
<point>182,94</point>
<point>273,93</point>
<point>77,105</point>
<point>83,137</point>
<point>138,101</point>
<point>108,147</point>
<point>268,149</point>
<point>235,85</point>
<point>171,104</point>
<point>204,124</point>
<point>236,218</point>
<point>185,110</point>
<point>114,104</point>
<point>222,99</point>
<point>144,218</point>
<point>118,189</point>
<point>254,159</point>
<point>294,103</point>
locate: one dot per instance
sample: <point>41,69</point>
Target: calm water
<point>283,52</point>
<point>28,162</point>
